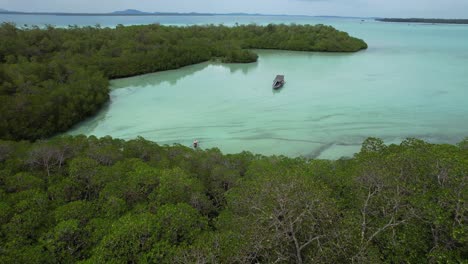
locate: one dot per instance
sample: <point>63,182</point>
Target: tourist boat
<point>278,82</point>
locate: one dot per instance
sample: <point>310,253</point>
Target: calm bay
<point>411,82</point>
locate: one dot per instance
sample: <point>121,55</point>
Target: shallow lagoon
<point>329,105</point>
<point>411,82</point>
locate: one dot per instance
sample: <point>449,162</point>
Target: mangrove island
<point>53,78</point>
<point>424,20</point>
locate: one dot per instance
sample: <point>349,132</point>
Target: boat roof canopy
<point>279,78</point>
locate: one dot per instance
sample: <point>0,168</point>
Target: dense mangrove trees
<point>89,200</point>
<point>52,78</point>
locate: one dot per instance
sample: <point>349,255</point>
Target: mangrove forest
<point>89,200</point>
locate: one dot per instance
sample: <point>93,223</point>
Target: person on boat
<point>195,144</point>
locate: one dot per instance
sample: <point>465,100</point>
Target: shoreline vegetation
<point>88,200</point>
<point>424,20</point>
<point>53,78</point>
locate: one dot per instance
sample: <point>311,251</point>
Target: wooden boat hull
<point>278,82</point>
<point>278,86</point>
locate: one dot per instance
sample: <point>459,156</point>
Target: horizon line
<point>144,13</point>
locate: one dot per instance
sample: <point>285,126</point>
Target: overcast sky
<point>381,8</point>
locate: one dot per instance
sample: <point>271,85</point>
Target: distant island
<point>130,12</point>
<point>134,12</point>
<point>424,20</point>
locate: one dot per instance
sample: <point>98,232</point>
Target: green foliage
<point>284,214</point>
<point>178,187</point>
<point>50,79</point>
<point>150,238</point>
<point>22,181</point>
<point>81,210</point>
<point>178,224</point>
<point>67,242</point>
<point>127,241</point>
<point>137,202</point>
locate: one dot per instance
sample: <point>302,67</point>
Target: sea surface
<point>411,82</point>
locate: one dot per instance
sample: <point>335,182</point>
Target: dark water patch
<point>268,136</point>
<point>245,68</point>
<point>358,125</point>
<point>377,128</point>
<point>441,92</point>
<point>326,146</point>
<point>462,56</point>
<point>122,128</point>
<point>259,136</point>
<point>321,118</point>
<point>317,152</point>
<point>179,129</point>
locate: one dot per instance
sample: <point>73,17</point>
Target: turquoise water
<point>411,82</point>
<point>112,21</point>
